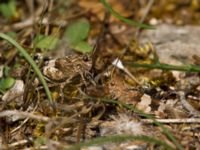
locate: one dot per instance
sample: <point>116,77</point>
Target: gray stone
<point>174,44</point>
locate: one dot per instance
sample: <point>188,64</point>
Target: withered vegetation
<point>105,81</point>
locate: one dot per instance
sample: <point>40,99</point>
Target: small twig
<point>43,147</point>
<point>22,114</point>
<point>187,105</point>
<point>29,22</point>
<point>147,9</point>
<point>49,9</point>
<point>18,143</point>
<point>23,142</point>
<point>184,120</point>
<point>26,120</point>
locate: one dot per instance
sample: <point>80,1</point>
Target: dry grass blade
<point>22,114</point>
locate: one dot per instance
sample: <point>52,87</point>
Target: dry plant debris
<point>82,51</point>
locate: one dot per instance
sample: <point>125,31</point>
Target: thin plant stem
<point>32,63</point>
<point>125,20</point>
<point>163,66</point>
<point>119,138</point>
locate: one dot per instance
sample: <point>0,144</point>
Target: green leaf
<point>6,71</point>
<point>83,47</point>
<point>77,31</point>
<point>125,20</point>
<point>41,140</point>
<point>6,83</point>
<point>8,10</point>
<point>45,42</point>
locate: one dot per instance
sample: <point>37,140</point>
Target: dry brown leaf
<point>144,104</point>
<point>119,89</point>
<point>97,8</point>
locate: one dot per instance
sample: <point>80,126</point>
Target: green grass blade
<point>32,63</point>
<point>125,20</point>
<point>168,67</point>
<point>120,138</point>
